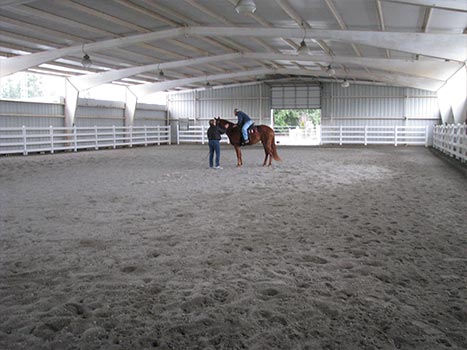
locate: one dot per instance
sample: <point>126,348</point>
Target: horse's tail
<point>275,156</point>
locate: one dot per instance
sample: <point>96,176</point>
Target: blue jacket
<point>242,118</point>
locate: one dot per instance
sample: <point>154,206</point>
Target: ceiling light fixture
<point>245,7</point>
<point>86,60</point>
<point>303,49</point>
<point>330,70</point>
<point>345,83</point>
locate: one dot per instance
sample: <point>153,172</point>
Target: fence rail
<point>363,135</point>
<point>195,134</point>
<point>373,135</point>
<point>452,140</point>
<point>27,140</point>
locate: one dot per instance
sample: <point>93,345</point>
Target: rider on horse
<point>244,122</point>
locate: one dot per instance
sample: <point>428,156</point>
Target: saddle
<point>252,129</point>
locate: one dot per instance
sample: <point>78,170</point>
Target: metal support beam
<point>71,103</point>
<point>88,81</point>
<point>452,5</point>
<point>448,46</point>
<point>145,89</point>
<point>130,107</point>
<point>433,69</point>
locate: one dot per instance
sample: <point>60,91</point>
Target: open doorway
<point>297,126</point>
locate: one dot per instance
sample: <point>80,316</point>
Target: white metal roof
<point>413,43</point>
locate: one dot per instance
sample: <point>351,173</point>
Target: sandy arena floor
<point>148,248</point>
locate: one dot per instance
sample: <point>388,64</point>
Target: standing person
<point>214,137</point>
<point>244,122</point>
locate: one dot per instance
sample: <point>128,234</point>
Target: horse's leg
<point>267,152</point>
<point>239,156</point>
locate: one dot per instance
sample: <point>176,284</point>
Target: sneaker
<point>218,167</point>
<point>247,142</point>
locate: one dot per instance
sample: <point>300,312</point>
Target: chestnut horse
<point>261,133</point>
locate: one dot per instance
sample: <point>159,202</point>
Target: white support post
<point>145,136</point>
<point>131,136</point>
<point>25,141</point>
<point>51,133</point>
<point>340,135</point>
<point>178,136</point>
<point>113,137</point>
<point>96,146</point>
<point>395,136</point>
<point>71,103</point>
<point>366,131</point>
<point>130,107</point>
<point>158,135</point>
<point>75,139</point>
<point>202,135</point>
<point>427,132</point>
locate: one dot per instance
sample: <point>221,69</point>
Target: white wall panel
<point>200,106</point>
<point>34,114</point>
<point>378,105</point>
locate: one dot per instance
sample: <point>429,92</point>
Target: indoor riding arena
<point>120,230</point>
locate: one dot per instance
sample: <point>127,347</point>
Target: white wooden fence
<point>195,134</point>
<point>452,140</point>
<point>32,139</point>
<point>375,135</point>
<point>362,135</point>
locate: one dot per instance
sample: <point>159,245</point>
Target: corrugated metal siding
<point>149,122</point>
<point>99,113</point>
<point>150,115</point>
<point>200,106</point>
<point>378,106</point>
<point>90,121</point>
<point>31,114</point>
<point>296,97</point>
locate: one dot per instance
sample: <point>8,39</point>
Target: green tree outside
<point>26,86</point>
<point>296,117</point>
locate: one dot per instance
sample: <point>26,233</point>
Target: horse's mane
<point>225,121</point>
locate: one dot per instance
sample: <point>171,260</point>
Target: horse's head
<point>222,124</point>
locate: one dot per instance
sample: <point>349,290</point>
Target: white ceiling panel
<point>55,34</point>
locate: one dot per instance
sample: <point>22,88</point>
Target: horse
<point>258,133</point>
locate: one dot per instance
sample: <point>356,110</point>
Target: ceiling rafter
<point>10,3</point>
<point>429,84</point>
<point>139,29</point>
<point>168,21</point>
<point>340,21</point>
<point>450,46</point>
<point>91,80</point>
<point>222,19</point>
<point>134,54</point>
<point>146,89</point>
<point>427,69</point>
<point>379,9</point>
<point>449,5</point>
<point>290,11</point>
<point>31,11</point>
<point>185,21</point>
<point>427,19</point>
<point>265,23</point>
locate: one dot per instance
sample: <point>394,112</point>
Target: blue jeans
<point>214,146</point>
<point>245,129</point>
